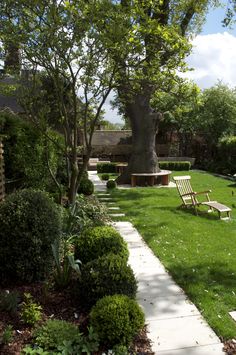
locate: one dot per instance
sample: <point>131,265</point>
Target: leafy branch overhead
<point>59,39</point>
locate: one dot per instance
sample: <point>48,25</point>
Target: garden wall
<point>2,177</point>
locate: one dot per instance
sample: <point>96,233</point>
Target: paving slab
<point>178,333</point>
<point>213,349</point>
<point>167,307</point>
<point>156,285</point>
<point>116,214</point>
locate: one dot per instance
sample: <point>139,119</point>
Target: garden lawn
<point>199,251</point>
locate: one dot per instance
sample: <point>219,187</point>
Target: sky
<point>213,57</point>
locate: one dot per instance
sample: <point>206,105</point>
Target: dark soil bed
<point>230,347</point>
<point>58,305</point>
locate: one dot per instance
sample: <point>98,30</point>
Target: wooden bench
<point>164,174</point>
<point>219,208</point>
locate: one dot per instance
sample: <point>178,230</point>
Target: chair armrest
<point>189,194</point>
<point>202,192</point>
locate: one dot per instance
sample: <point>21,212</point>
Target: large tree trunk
<point>144,125</point>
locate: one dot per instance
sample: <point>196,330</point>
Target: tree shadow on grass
<point>232,185</point>
<point>181,211</point>
<point>208,284</point>
<point>137,195</point>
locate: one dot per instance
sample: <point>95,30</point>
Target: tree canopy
<point>60,38</point>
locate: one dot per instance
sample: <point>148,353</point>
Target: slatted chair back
<point>185,190</point>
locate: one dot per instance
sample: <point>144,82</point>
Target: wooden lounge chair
<point>190,197</point>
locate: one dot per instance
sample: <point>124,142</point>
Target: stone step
<point>116,214</point>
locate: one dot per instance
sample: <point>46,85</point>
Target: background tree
<point>149,41</point>
<point>229,19</point>
<point>217,116</point>
<point>180,107</point>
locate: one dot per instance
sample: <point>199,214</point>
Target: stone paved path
<point>174,323</point>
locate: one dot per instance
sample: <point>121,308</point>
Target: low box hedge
<point>175,165</point>
<point>106,168</point>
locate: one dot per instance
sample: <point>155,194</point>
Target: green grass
<point>199,251</point>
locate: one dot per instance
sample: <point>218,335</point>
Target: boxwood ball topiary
<point>107,275</point>
<point>111,184</point>
<point>30,222</point>
<point>116,319</point>
<point>98,241</point>
<point>105,176</point>
<point>86,187</point>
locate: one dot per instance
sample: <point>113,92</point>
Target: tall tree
<point>180,107</point>
<point>217,115</point>
<point>229,19</point>
<point>59,37</point>
<point>149,41</point>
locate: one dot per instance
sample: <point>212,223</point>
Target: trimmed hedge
<point>117,319</point>
<point>30,222</point>
<point>107,275</point>
<point>98,241</point>
<point>111,184</point>
<point>165,165</point>
<point>86,187</point>
<point>175,165</point>
<point>105,176</point>
<point>106,168</point>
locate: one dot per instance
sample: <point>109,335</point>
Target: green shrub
<point>225,162</point>
<point>98,241</point>
<point>30,222</point>
<point>107,275</point>
<point>54,332</point>
<point>31,312</point>
<point>65,337</point>
<point>106,168</point>
<point>120,350</point>
<point>117,319</point>
<point>86,212</point>
<point>111,184</point>
<point>175,165</point>
<point>27,151</point>
<point>105,177</point>
<point>7,335</point>
<point>86,187</point>
<point>9,301</point>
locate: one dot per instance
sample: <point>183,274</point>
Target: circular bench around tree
<point>150,177</point>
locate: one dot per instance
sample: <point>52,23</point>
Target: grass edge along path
<point>198,251</point>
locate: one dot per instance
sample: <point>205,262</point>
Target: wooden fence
<point>2,177</point>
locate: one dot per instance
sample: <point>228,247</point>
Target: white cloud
<point>213,58</point>
<point>111,114</point>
